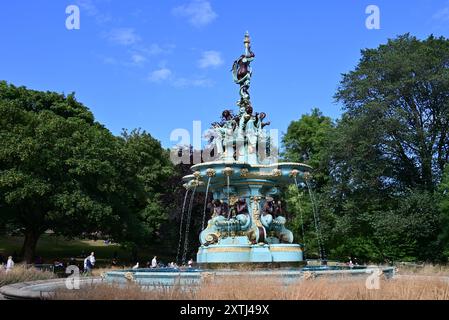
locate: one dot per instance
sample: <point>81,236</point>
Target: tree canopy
<point>386,155</point>
<point>61,170</point>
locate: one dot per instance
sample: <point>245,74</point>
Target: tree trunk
<point>427,176</point>
<point>29,245</point>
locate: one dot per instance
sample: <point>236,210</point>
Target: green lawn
<point>51,247</point>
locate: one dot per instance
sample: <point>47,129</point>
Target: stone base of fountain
<point>258,254</point>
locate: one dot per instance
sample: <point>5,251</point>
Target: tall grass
<point>425,270</point>
<point>22,274</point>
<point>253,289</point>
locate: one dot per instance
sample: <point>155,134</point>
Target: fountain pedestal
<point>244,177</point>
<point>253,237</point>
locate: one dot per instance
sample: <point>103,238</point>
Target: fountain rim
<point>229,163</point>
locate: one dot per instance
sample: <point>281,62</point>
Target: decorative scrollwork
<point>228,171</point>
<point>307,176</point>
<point>244,172</point>
<point>129,276</point>
<point>211,172</point>
<point>294,173</point>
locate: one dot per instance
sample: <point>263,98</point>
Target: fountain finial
<point>241,71</point>
<point>247,42</point>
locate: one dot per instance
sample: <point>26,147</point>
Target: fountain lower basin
<point>188,278</point>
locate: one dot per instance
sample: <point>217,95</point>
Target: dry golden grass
<point>22,274</point>
<point>424,270</point>
<point>253,289</point>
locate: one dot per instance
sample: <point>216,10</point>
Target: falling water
<point>229,202</point>
<point>300,214</point>
<point>189,216</point>
<point>205,204</point>
<point>316,218</point>
<point>181,225</point>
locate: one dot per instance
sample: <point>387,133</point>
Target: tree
<point>145,168</point>
<point>385,157</point>
<point>391,145</point>
<point>307,141</point>
<point>399,91</point>
<point>61,170</point>
<point>443,205</point>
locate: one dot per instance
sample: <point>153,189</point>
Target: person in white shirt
<point>9,264</point>
<point>89,263</point>
<point>92,258</point>
<point>154,262</point>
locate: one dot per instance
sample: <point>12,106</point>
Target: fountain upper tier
<point>241,173</point>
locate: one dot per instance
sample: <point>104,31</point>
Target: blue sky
<point>159,65</point>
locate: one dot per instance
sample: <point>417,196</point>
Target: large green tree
<point>385,156</point>
<point>391,145</point>
<point>443,204</point>
<point>398,96</point>
<point>61,170</point>
<point>307,141</point>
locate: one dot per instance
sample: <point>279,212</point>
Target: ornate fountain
<point>246,225</point>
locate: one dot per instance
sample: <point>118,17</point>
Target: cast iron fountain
<point>246,227</point>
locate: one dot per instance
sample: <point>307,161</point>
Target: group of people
<point>155,264</point>
<point>222,208</point>
<point>88,263</point>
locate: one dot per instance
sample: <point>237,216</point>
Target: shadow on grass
<point>51,247</point>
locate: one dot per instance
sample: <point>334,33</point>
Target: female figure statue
<point>241,70</point>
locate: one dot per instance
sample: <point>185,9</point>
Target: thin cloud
<point>210,59</point>
<point>160,75</point>
<point>123,36</point>
<point>109,60</point>
<point>198,82</point>
<point>88,7</point>
<point>198,12</point>
<point>165,75</point>
<point>442,14</point>
<point>154,49</point>
<point>137,58</point>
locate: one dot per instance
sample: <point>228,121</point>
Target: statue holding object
<point>241,71</point>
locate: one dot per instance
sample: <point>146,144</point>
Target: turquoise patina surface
<point>244,179</point>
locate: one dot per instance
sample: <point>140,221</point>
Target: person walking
<point>92,258</point>
<point>9,264</point>
<point>89,263</point>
